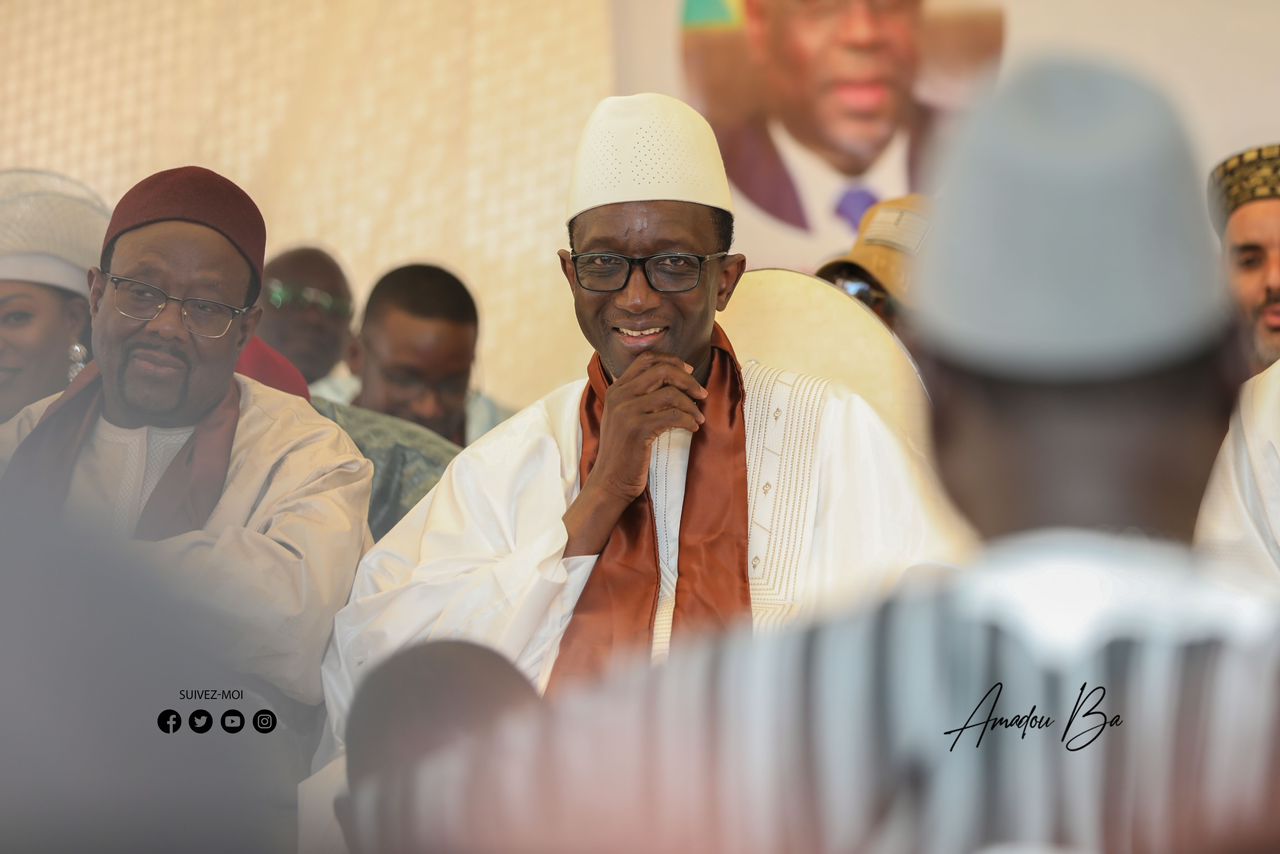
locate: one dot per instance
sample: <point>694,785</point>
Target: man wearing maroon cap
<point>243,494</point>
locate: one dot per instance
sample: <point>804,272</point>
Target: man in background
<point>1244,201</point>
<point>1240,519</point>
<point>414,355</point>
<point>877,271</point>
<point>306,310</point>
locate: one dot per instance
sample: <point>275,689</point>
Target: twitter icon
<point>200,721</point>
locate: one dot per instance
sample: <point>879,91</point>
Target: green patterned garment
<point>407,459</point>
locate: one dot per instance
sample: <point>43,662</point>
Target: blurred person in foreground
<point>1240,519</point>
<point>877,271</point>
<point>669,492</point>
<point>307,310</point>
<point>93,652</point>
<point>253,502</point>
<point>51,229</point>
<point>414,356</point>
<point>1084,685</point>
<point>420,699</point>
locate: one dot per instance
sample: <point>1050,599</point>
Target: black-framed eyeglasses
<point>666,272</point>
<point>285,296</point>
<point>140,301</point>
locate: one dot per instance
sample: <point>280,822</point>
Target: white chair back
<point>790,320</point>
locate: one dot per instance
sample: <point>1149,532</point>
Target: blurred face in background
<point>837,73</point>
<point>38,325</point>
<point>1251,245</point>
<point>306,311</point>
<point>416,368</point>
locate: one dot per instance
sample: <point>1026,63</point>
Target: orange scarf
<point>617,607</point>
<point>38,478</point>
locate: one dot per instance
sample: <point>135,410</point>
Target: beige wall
<point>387,131</point>
<point>443,129</point>
<point>1217,59</point>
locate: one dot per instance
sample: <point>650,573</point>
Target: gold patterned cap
<point>1242,178</point>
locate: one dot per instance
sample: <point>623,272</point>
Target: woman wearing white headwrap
<point>50,230</point>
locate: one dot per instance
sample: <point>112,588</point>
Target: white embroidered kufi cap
<point>51,229</point>
<point>643,148</point>
<point>1070,239</point>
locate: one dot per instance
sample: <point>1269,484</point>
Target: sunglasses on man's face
<point>287,297</point>
<point>869,294</point>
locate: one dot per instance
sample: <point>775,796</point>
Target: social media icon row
<point>200,721</point>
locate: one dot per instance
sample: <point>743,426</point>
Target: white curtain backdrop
<point>391,131</point>
<point>443,130</point>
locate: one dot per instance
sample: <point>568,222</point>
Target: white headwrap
<point>51,229</point>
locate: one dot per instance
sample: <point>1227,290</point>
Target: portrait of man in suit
<point>824,114</point>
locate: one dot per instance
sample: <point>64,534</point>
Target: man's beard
<point>1265,351</point>
<point>1266,344</point>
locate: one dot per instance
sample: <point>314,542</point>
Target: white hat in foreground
<point>1070,240</point>
<point>51,229</point>
<point>644,148</point>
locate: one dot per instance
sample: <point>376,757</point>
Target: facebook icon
<point>170,721</point>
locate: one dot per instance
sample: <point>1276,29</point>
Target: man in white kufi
<point>670,491</point>
<point>1081,373</point>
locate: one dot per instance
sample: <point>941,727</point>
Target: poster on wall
<point>821,107</point>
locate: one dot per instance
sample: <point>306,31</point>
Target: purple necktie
<point>854,204</point>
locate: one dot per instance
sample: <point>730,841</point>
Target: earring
<point>78,354</point>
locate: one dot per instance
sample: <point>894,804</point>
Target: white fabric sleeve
<point>480,558</point>
<point>1234,525</point>
<point>276,584</point>
<point>880,508</point>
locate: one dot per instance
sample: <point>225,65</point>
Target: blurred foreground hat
<point>1070,242</point>
<point>889,238</point>
<point>645,148</point>
<point>51,229</point>
<point>1249,176</point>
<point>194,194</point>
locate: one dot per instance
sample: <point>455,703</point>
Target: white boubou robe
<point>837,508</point>
<point>277,556</point>
<point>1240,517</point>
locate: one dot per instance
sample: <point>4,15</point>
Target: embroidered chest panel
<point>783,410</point>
